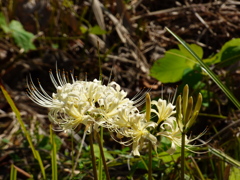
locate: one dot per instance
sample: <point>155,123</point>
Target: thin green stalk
<point>73,157</point>
<point>183,155</point>
<point>103,156</point>
<point>149,160</point>
<point>13,173</point>
<point>208,71</point>
<point>53,155</point>
<point>100,162</point>
<point>224,157</point>
<point>198,170</point>
<point>213,115</point>
<point>93,157</point>
<point>78,154</point>
<point>148,116</point>
<point>213,166</point>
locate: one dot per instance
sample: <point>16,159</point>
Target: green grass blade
<point>224,157</point>
<point>53,155</point>
<point>208,71</point>
<point>25,132</point>
<point>13,173</point>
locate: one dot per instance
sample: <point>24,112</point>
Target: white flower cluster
<point>96,105</point>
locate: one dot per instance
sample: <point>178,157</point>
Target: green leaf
<point>197,49</point>
<point>229,53</point>
<point>171,67</point>
<point>97,30</point>
<point>3,23</point>
<point>22,38</point>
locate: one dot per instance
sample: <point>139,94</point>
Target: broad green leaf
<point>171,67</point>
<point>22,38</point>
<point>197,49</point>
<point>3,23</point>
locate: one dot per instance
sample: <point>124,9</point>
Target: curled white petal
<point>173,133</point>
<point>164,109</point>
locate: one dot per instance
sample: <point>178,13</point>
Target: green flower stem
<point>13,173</point>
<point>150,160</point>
<point>208,71</point>
<point>103,157</point>
<point>183,154</point>
<point>53,155</point>
<point>148,117</point>
<point>100,162</point>
<point>93,157</point>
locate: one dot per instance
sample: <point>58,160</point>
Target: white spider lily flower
<point>140,134</point>
<point>124,117</point>
<point>133,125</point>
<point>173,133</point>
<point>80,102</point>
<point>93,104</point>
<point>164,109</point>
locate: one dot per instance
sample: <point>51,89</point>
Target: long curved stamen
<point>53,79</point>
<point>139,98</point>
